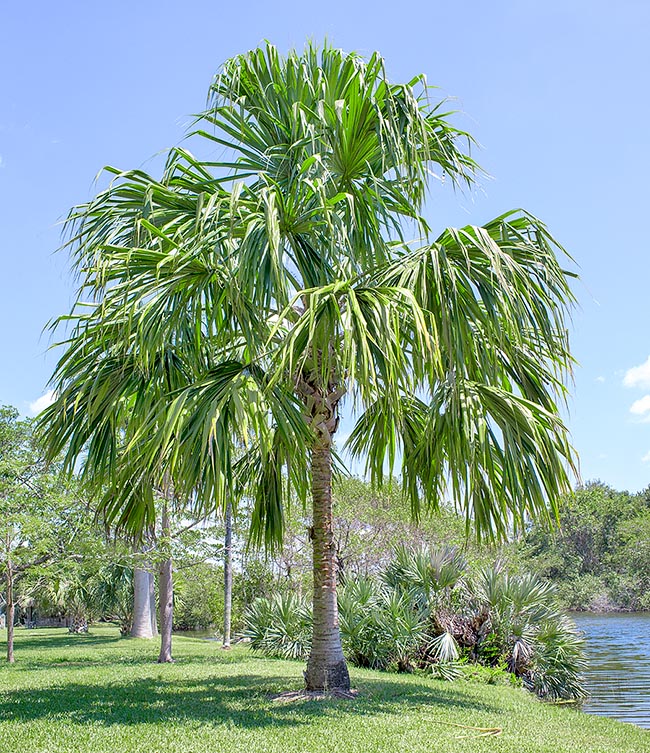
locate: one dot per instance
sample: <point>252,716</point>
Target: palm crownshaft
<point>281,277</point>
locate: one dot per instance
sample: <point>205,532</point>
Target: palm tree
<point>102,391</point>
<point>284,271</point>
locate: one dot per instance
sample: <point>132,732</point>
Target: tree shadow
<point>243,700</point>
<point>30,641</point>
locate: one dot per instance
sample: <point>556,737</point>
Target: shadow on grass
<point>30,640</point>
<point>243,700</point>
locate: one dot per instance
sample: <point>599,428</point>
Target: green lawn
<point>103,693</point>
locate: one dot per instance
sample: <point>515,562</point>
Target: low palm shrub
<point>280,626</point>
<point>424,612</point>
<point>530,634</point>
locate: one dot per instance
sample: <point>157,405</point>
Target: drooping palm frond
<point>285,264</point>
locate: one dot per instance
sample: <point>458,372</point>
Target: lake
<point>618,679</point>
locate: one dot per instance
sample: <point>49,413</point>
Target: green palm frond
<point>210,297</point>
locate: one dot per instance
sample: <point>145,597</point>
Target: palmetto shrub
<point>557,662</point>
<point>424,612</point>
<point>280,626</point>
<point>381,626</point>
<point>530,634</point>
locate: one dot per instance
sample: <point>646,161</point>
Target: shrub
<point>422,609</point>
<point>279,626</point>
<point>198,597</point>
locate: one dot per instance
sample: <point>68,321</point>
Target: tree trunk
<point>141,627</point>
<point>10,612</point>
<point>152,604</point>
<point>326,667</point>
<point>166,592</point>
<point>227,578</point>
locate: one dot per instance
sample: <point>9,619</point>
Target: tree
<point>41,518</point>
<point>104,389</point>
<point>227,577</point>
<point>284,276</point>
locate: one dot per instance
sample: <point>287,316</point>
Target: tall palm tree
<point>294,270</point>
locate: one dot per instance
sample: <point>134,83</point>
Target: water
<point>618,679</point>
<point>208,635</point>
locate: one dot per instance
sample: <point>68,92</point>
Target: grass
<point>99,693</point>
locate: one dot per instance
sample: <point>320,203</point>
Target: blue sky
<point>556,92</point>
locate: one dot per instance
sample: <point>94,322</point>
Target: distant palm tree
<point>103,391</point>
<point>281,271</point>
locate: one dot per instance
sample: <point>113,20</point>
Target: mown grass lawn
<point>103,693</point>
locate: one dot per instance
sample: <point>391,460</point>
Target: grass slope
<point>103,693</point>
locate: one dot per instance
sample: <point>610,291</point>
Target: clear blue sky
<point>555,91</point>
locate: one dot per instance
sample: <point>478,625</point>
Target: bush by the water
<point>426,612</point>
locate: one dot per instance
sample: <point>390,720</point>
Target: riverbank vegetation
<point>104,693</point>
<point>425,612</point>
<point>600,555</point>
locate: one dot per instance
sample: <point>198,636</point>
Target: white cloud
<point>42,402</point>
<point>640,407</point>
<point>646,458</point>
<point>638,376</point>
<point>2,162</point>
<point>600,379</point>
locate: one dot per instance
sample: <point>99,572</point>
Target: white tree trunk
<point>142,620</point>
<point>152,604</point>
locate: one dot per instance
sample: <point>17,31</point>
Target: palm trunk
<point>152,604</point>
<point>326,667</point>
<point>166,592</point>
<point>10,612</point>
<point>227,578</point>
<point>141,627</point>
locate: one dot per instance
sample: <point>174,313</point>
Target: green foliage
<point>425,611</point>
<point>600,558</point>
<point>280,626</point>
<point>228,294</point>
<point>46,529</point>
<point>557,661</point>
<point>530,634</point>
<point>112,595</point>
<point>198,596</point>
<point>380,626</point>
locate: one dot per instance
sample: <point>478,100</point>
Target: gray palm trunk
<point>326,666</point>
<point>227,578</point>
<point>152,604</point>
<point>142,618</point>
<point>166,592</point>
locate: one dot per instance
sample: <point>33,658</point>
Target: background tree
<point>41,515</point>
<point>285,277</point>
<point>600,556</point>
<point>103,390</point>
<point>227,577</point>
